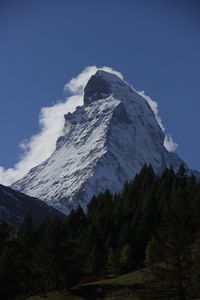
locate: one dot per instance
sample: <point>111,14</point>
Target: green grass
<point>114,288</point>
<point>120,287</point>
<point>126,280</point>
<point>55,296</point>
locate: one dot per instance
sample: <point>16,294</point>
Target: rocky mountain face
<point>105,142</point>
<point>15,206</point>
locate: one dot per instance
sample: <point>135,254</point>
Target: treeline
<point>152,224</point>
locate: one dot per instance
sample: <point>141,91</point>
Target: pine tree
<point>170,279</point>
<point>5,232</point>
<point>9,273</point>
<point>26,257</point>
<point>112,264</point>
<point>126,259</point>
<point>195,268</point>
<point>153,252</point>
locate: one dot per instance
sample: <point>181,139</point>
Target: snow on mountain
<point>105,142</point>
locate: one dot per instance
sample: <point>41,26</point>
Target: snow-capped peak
<point>105,142</point>
<point>110,77</point>
<point>102,84</point>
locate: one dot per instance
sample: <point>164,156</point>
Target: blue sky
<point>154,44</point>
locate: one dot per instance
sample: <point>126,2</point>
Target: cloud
<point>169,143</point>
<point>39,147</point>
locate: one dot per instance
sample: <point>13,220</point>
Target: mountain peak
<point>101,85</point>
<point>105,143</point>
<point>107,76</point>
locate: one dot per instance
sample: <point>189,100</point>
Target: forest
<point>152,225</point>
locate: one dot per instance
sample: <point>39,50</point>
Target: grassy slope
<point>126,280</point>
<point>114,288</point>
<point>121,287</point>
<point>55,296</point>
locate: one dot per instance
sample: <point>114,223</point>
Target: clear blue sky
<point>155,44</point>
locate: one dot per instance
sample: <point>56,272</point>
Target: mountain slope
<point>105,142</point>
<point>15,206</point>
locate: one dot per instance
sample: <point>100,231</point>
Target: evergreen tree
<point>195,268</point>
<point>126,259</point>
<point>112,264</point>
<point>49,256</point>
<point>153,253</point>
<point>170,279</point>
<point>5,232</point>
<point>26,256</point>
<point>9,273</point>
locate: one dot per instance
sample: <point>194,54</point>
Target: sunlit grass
<point>126,280</point>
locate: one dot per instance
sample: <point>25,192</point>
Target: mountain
<point>105,142</point>
<point>15,206</point>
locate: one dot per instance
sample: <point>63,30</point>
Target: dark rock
<point>15,206</point>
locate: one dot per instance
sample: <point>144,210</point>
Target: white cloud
<point>169,143</point>
<point>51,119</point>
